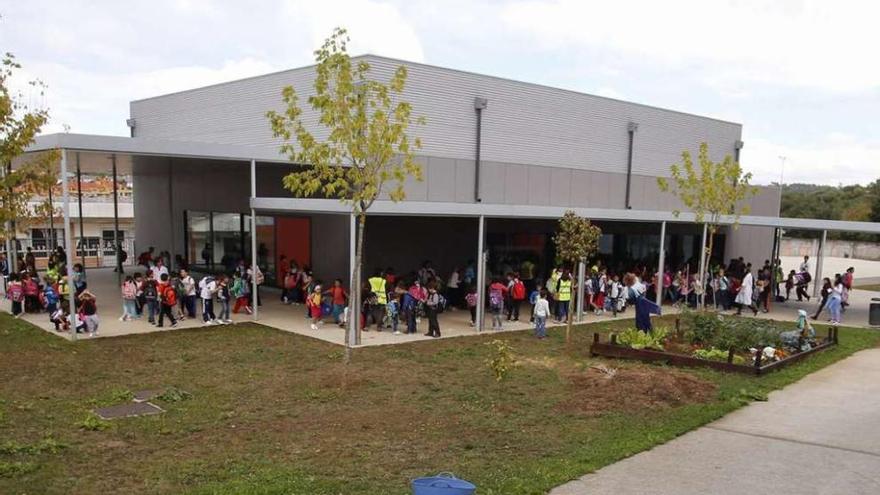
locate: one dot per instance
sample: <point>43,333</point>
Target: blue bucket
<point>442,484</point>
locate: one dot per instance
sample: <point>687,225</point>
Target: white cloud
<point>835,159</point>
<point>811,43</point>
<point>91,102</point>
<point>374,27</point>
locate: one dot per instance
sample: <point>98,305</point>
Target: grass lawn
<point>873,287</point>
<point>273,412</point>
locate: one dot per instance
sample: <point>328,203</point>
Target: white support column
<point>116,241</point>
<point>481,273</point>
<point>172,249</point>
<point>703,261</point>
<point>69,248</point>
<point>254,267</point>
<point>582,269</point>
<point>820,260</point>
<point>353,292</point>
<point>660,262</point>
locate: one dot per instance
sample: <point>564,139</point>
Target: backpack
<point>496,299</point>
<point>169,295</point>
<point>258,275</point>
<point>471,299</point>
<point>50,296</point>
<point>290,281</point>
<point>15,292</point>
<point>441,303</point>
<point>519,291</point>
<point>533,297</point>
<point>150,291</point>
<point>409,302</point>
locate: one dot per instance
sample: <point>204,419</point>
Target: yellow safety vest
<point>564,293</point>
<point>377,285</point>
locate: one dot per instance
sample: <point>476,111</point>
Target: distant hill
<point>855,203</point>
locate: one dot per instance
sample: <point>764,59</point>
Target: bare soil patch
<point>634,390</point>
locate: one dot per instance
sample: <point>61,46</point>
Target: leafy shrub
<point>637,339</point>
<point>92,422</point>
<point>502,360</point>
<point>715,354</point>
<point>726,332</point>
<point>174,394</point>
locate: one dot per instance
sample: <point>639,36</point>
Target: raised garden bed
<point>613,349</point>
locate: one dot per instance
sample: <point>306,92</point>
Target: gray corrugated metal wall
<point>524,123</point>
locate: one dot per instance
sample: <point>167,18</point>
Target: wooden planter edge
<point>607,349</point>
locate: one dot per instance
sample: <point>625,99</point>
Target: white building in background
<point>95,240</point>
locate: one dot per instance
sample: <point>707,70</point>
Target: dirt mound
<point>634,389</point>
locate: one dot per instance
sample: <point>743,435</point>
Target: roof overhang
<point>446,209</point>
<point>96,152</point>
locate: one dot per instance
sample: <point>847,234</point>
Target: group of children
<point>28,293</point>
<point>160,294</point>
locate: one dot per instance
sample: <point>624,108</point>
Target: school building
<point>502,160</point>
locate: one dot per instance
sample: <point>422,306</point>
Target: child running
<point>314,305</point>
<point>541,313</point>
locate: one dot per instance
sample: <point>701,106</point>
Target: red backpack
<point>169,295</point>
<point>519,291</point>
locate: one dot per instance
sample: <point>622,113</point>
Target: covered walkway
<point>291,318</point>
<point>175,173</point>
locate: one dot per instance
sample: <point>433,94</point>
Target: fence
<point>96,251</point>
<point>834,248</point>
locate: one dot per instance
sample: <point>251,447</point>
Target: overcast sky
<point>801,76</point>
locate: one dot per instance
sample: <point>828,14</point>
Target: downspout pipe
<point>631,128</point>
<point>479,105</point>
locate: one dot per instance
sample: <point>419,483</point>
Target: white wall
<point>523,124</point>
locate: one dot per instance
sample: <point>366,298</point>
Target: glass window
<point>228,240</point>
<point>198,238</point>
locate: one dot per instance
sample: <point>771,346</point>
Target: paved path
<point>820,435</point>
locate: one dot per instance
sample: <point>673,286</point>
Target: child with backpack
<point>151,297</point>
<point>497,291</point>
<point>615,294</point>
<point>471,299</point>
<point>432,308</point>
<point>412,299</point>
<point>167,301</point>
<point>338,297</point>
<point>533,300</point>
<point>223,297</point>
<point>15,293</point>
<point>313,303</point>
<point>50,298</point>
<point>517,296</point>
<point>31,294</point>
<point>60,318</point>
<point>207,290</point>
<point>89,312</point>
<point>541,312</point>
<point>241,292</point>
<point>129,299</point>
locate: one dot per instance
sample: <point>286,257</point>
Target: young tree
<point>367,151</point>
<point>33,175</point>
<point>711,190</point>
<point>576,240</point>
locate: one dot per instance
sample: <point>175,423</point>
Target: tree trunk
<point>708,255</point>
<point>354,338</point>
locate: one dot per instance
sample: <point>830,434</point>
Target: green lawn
<point>273,412</point>
<point>873,287</point>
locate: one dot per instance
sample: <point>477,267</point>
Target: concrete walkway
<point>820,435</point>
